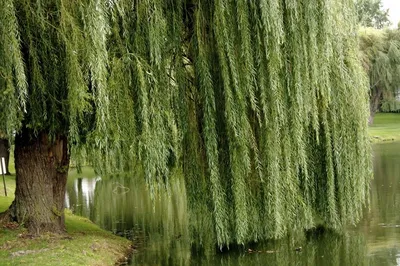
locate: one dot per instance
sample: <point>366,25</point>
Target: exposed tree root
<point>5,217</point>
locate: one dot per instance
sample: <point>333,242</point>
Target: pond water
<point>160,224</point>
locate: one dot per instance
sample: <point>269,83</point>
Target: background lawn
<point>386,127</point>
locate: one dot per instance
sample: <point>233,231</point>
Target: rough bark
<point>41,175</point>
<point>5,152</point>
<point>374,103</point>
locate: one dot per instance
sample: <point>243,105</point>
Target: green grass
<point>10,185</point>
<point>85,244</point>
<point>386,127</point>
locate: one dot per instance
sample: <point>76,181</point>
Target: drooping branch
<point>261,105</point>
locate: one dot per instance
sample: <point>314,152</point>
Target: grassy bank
<point>386,127</point>
<point>85,244</point>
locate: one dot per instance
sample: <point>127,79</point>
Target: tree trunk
<point>374,103</point>
<point>5,152</point>
<point>41,175</point>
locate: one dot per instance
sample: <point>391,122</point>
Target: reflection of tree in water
<point>385,189</point>
<point>157,225</point>
<point>125,204</point>
<point>386,186</point>
<point>171,229</point>
<point>381,224</point>
<point>79,196</point>
<point>166,230</point>
<point>320,249</point>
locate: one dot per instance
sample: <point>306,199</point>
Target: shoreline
<point>386,128</point>
<point>84,244</point>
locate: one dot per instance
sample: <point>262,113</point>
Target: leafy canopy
<point>261,105</point>
<point>380,53</point>
<point>371,14</point>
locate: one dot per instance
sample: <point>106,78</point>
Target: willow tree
<point>262,105</point>
<point>380,53</point>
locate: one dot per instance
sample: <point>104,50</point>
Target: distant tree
<point>380,52</point>
<point>371,14</point>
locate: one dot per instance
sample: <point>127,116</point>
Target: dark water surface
<point>160,228</point>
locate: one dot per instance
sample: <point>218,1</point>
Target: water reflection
<point>79,196</point>
<point>381,225</point>
<point>124,203</point>
<point>325,249</point>
<point>162,226</point>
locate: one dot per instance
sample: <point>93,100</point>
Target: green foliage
<point>261,105</point>
<point>13,81</point>
<point>380,53</point>
<point>371,14</point>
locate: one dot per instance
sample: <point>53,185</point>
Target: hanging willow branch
<point>261,104</point>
